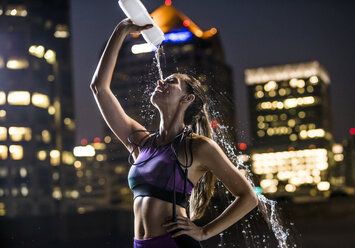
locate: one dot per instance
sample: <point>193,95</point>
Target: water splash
<point>267,210</point>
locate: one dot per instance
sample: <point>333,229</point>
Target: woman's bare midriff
<point>149,214</point>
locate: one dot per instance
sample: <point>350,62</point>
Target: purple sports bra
<point>152,174</point>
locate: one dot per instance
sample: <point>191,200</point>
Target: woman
<point>159,177</point>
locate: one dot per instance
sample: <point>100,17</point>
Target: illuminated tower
<point>291,128</point>
<point>36,107</point>
<point>187,49</point>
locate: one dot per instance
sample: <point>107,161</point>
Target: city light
<point>3,152</point>
<point>16,10</point>
<point>55,157</point>
<point>178,37</point>
<point>84,151</point>
<point>50,56</point>
<point>142,48</point>
<point>2,98</point>
<point>295,167</point>
<point>40,100</point>
<point>352,131</point>
<point>61,31</point>
<point>37,51</point>
<point>19,98</point>
<point>16,152</point>
<point>3,133</point>
<point>17,63</point>
<point>20,133</point>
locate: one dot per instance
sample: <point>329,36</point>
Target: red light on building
<point>167,2</point>
<point>97,140</point>
<point>186,23</point>
<point>242,146</point>
<point>214,124</point>
<point>352,131</point>
<point>84,142</point>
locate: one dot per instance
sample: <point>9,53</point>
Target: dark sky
<point>254,33</point>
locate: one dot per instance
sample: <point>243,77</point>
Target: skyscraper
<point>291,128</point>
<point>36,107</point>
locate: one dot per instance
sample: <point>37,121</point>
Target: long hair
<point>196,116</point>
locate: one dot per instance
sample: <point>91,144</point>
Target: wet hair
<point>196,117</point>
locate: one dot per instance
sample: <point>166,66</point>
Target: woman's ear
<point>188,98</point>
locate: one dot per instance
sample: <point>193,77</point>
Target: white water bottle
<point>135,10</point>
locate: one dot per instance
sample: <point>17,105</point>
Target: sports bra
<point>152,174</point>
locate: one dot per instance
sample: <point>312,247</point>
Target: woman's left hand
<point>188,227</point>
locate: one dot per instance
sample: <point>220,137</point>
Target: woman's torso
<point>150,212</point>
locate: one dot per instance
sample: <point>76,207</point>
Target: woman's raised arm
<point>114,115</point>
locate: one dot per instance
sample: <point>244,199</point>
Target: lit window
<point>258,87</point>
<point>3,172</point>
<point>142,48</point>
<point>2,113</point>
<point>3,152</point>
<point>271,85</point>
<point>37,51</point>
<point>16,10</point>
<point>61,31</point>
<point>84,151</point>
<point>259,94</point>
<point>41,155</point>
<point>46,136</point>
<point>17,63</point>
<point>20,133</point>
<point>3,133</point>
<point>23,172</point>
<point>313,80</point>
<point>310,89</point>
<point>19,98</point>
<point>302,114</point>
<point>323,186</point>
<point>50,56</point>
<point>40,100</point>
<point>272,93</point>
<point>51,110</point>
<point>68,158</point>
<point>2,98</point>
<point>69,123</point>
<point>16,152</point>
<point>55,157</point>
<point>24,191</point>
<point>282,92</point>
<point>57,193</point>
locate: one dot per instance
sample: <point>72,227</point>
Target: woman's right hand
<point>130,28</point>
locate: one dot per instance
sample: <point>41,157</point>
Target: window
<point>40,100</point>
<point>61,31</point>
<point>16,152</point>
<point>3,152</point>
<point>16,10</point>
<point>18,98</point>
<point>20,133</point>
<point>17,63</point>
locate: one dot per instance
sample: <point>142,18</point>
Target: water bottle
<point>135,10</point>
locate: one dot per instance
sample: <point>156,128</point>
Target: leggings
<point>163,241</point>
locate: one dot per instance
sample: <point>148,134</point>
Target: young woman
<point>178,160</point>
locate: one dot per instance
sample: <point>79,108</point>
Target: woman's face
<point>169,91</point>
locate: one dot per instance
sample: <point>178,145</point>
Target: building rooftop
<point>286,72</point>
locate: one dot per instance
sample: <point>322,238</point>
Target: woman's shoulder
<point>202,142</point>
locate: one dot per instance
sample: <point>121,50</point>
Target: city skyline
<point>299,32</point>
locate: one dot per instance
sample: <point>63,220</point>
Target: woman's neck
<point>170,126</point>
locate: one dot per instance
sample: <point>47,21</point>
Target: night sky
<point>253,33</point>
